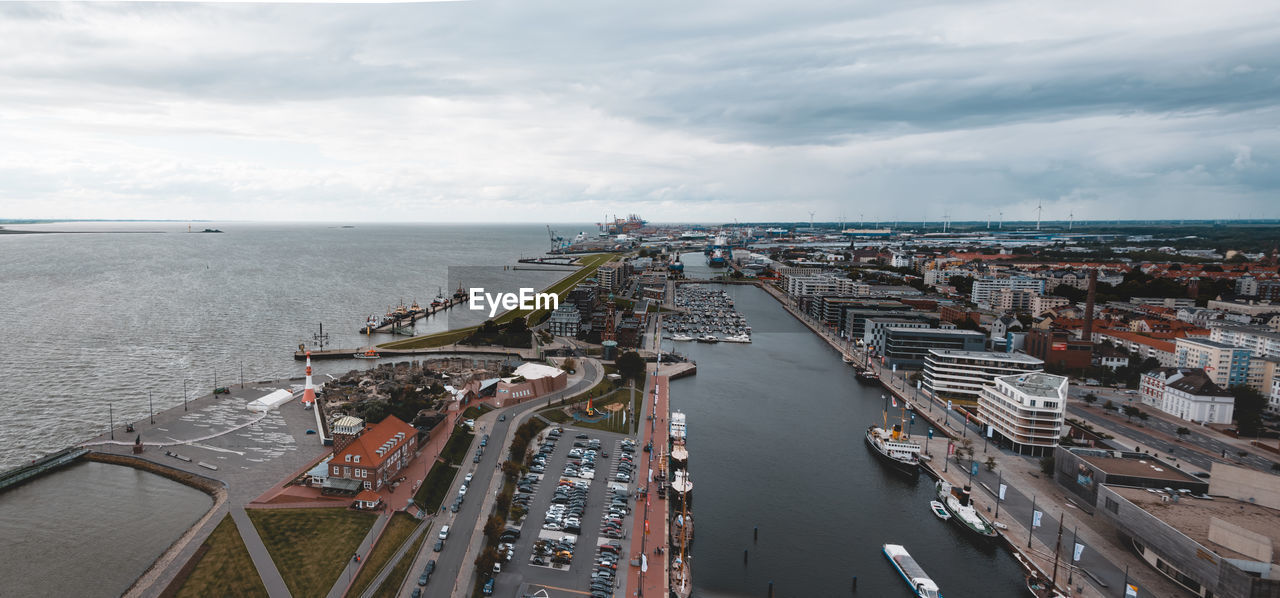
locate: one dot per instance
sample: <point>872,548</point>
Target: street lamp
<point>151,407</point>
<point>184,393</point>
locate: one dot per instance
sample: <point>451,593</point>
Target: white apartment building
<point>961,375</point>
<point>936,277</point>
<point>1187,393</point>
<point>1226,365</point>
<point>820,284</point>
<point>1262,342</point>
<point>984,289</point>
<point>1043,303</point>
<point>1014,299</point>
<point>873,331</point>
<point>1026,410</point>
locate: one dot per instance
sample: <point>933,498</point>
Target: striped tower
<point>309,391</point>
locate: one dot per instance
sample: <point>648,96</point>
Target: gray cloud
<point>743,109</point>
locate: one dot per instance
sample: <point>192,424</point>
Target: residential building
<point>565,320</point>
<point>1002,325</point>
<point>1014,299</point>
<point>907,346</point>
<point>1187,393</point>
<point>1226,365</point>
<point>1043,303</point>
<point>1174,302</point>
<point>821,284</point>
<point>984,289</point>
<point>1059,349</point>
<point>961,375</point>
<point>1260,341</point>
<point>1141,346</point>
<point>1025,410</point>
<point>610,275</point>
<point>369,457</point>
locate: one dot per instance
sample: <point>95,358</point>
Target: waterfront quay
<point>1105,566</point>
<point>650,533</point>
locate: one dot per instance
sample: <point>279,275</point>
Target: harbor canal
<point>776,442</point>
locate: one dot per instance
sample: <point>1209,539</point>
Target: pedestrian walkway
<point>266,567</point>
<point>356,561</point>
<point>649,531</point>
<point>422,528</point>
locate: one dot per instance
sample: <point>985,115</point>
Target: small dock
<point>23,473</point>
<point>392,323</point>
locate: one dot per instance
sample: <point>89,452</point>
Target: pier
<point>394,322</point>
<point>650,528</point>
<point>39,466</point>
<point>453,349</point>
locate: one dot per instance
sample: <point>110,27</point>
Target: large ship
<point>891,445</point>
<point>681,495</point>
<point>677,428</point>
<point>959,502</point>
<point>921,584</point>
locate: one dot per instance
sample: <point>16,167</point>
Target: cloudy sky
<point>688,111</point>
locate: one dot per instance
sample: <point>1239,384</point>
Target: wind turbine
<point>1039,209</point>
<point>811,221</point>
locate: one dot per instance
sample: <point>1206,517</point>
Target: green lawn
<point>398,530</point>
<point>475,411</point>
<point>311,546</point>
<point>456,449</point>
<point>392,583</point>
<point>431,493</point>
<point>589,265</point>
<point>225,569</point>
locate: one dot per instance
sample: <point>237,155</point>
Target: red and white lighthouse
<point>309,391</point>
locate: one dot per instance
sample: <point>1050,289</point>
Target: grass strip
<point>225,569</point>
<point>398,529</point>
<point>434,486</point>
<point>311,546</point>
<point>391,584</point>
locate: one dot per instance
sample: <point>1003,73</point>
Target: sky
<point>678,111</point>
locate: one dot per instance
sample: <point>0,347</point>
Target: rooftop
<point>1191,516</point>
<point>1204,342</point>
<point>1036,384</point>
<point>995,355</point>
<point>1144,468</point>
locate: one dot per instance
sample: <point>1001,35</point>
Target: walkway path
<point>266,567</point>
<point>422,528</point>
<point>349,572</point>
<point>651,510</point>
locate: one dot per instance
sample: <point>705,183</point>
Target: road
<point>1159,435</point>
<point>455,562</point>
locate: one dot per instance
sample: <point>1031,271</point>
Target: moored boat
<point>939,510</point>
<point>1040,587</point>
<point>867,377</point>
<point>677,428</point>
<point>681,337</point>
<point>894,448</point>
<point>369,353</point>
<point>921,584</point>
<point>959,502</point>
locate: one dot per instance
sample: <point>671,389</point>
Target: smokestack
<point>1087,334</point>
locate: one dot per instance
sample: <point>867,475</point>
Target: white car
<point>468,478</point>
<point>444,532</point>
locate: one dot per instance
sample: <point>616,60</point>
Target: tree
<point>990,463</point>
<point>1046,465</point>
<point>631,367</point>
<point>1183,432</point>
<point>1249,406</point>
<point>1108,406</point>
<point>1143,415</point>
<point>570,364</point>
<point>1090,398</point>
<point>493,527</point>
<point>1129,412</point>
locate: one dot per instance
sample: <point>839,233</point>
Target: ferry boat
<point>960,504</point>
<point>920,583</point>
<point>867,377</point>
<point>939,510</point>
<point>370,353</point>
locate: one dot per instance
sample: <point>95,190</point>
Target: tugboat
<point>370,353</point>
<point>439,300</point>
<point>459,294</point>
<point>960,504</point>
<point>921,584</point>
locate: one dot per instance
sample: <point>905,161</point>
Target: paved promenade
<point>652,511</point>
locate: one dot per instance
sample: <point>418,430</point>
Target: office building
<point>907,347</point>
<point>1025,411</point>
<point>961,375</point>
<point>1226,365</point>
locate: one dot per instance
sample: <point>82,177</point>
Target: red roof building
<point>371,455</point>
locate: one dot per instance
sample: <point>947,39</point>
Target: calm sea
<point>93,319</point>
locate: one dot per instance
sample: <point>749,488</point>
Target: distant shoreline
<point>9,231</point>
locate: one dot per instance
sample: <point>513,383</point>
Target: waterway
<point>90,529</point>
<point>775,439</point>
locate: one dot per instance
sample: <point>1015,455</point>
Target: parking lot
<point>573,540</point>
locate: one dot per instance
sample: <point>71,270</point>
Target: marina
<point>401,319</point>
<point>705,315</point>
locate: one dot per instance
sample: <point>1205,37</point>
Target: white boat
<point>737,338</point>
<point>677,427</point>
<point>894,448</point>
<point>911,571</point>
<point>708,338</point>
<point>681,337</point>
<point>939,510</point>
